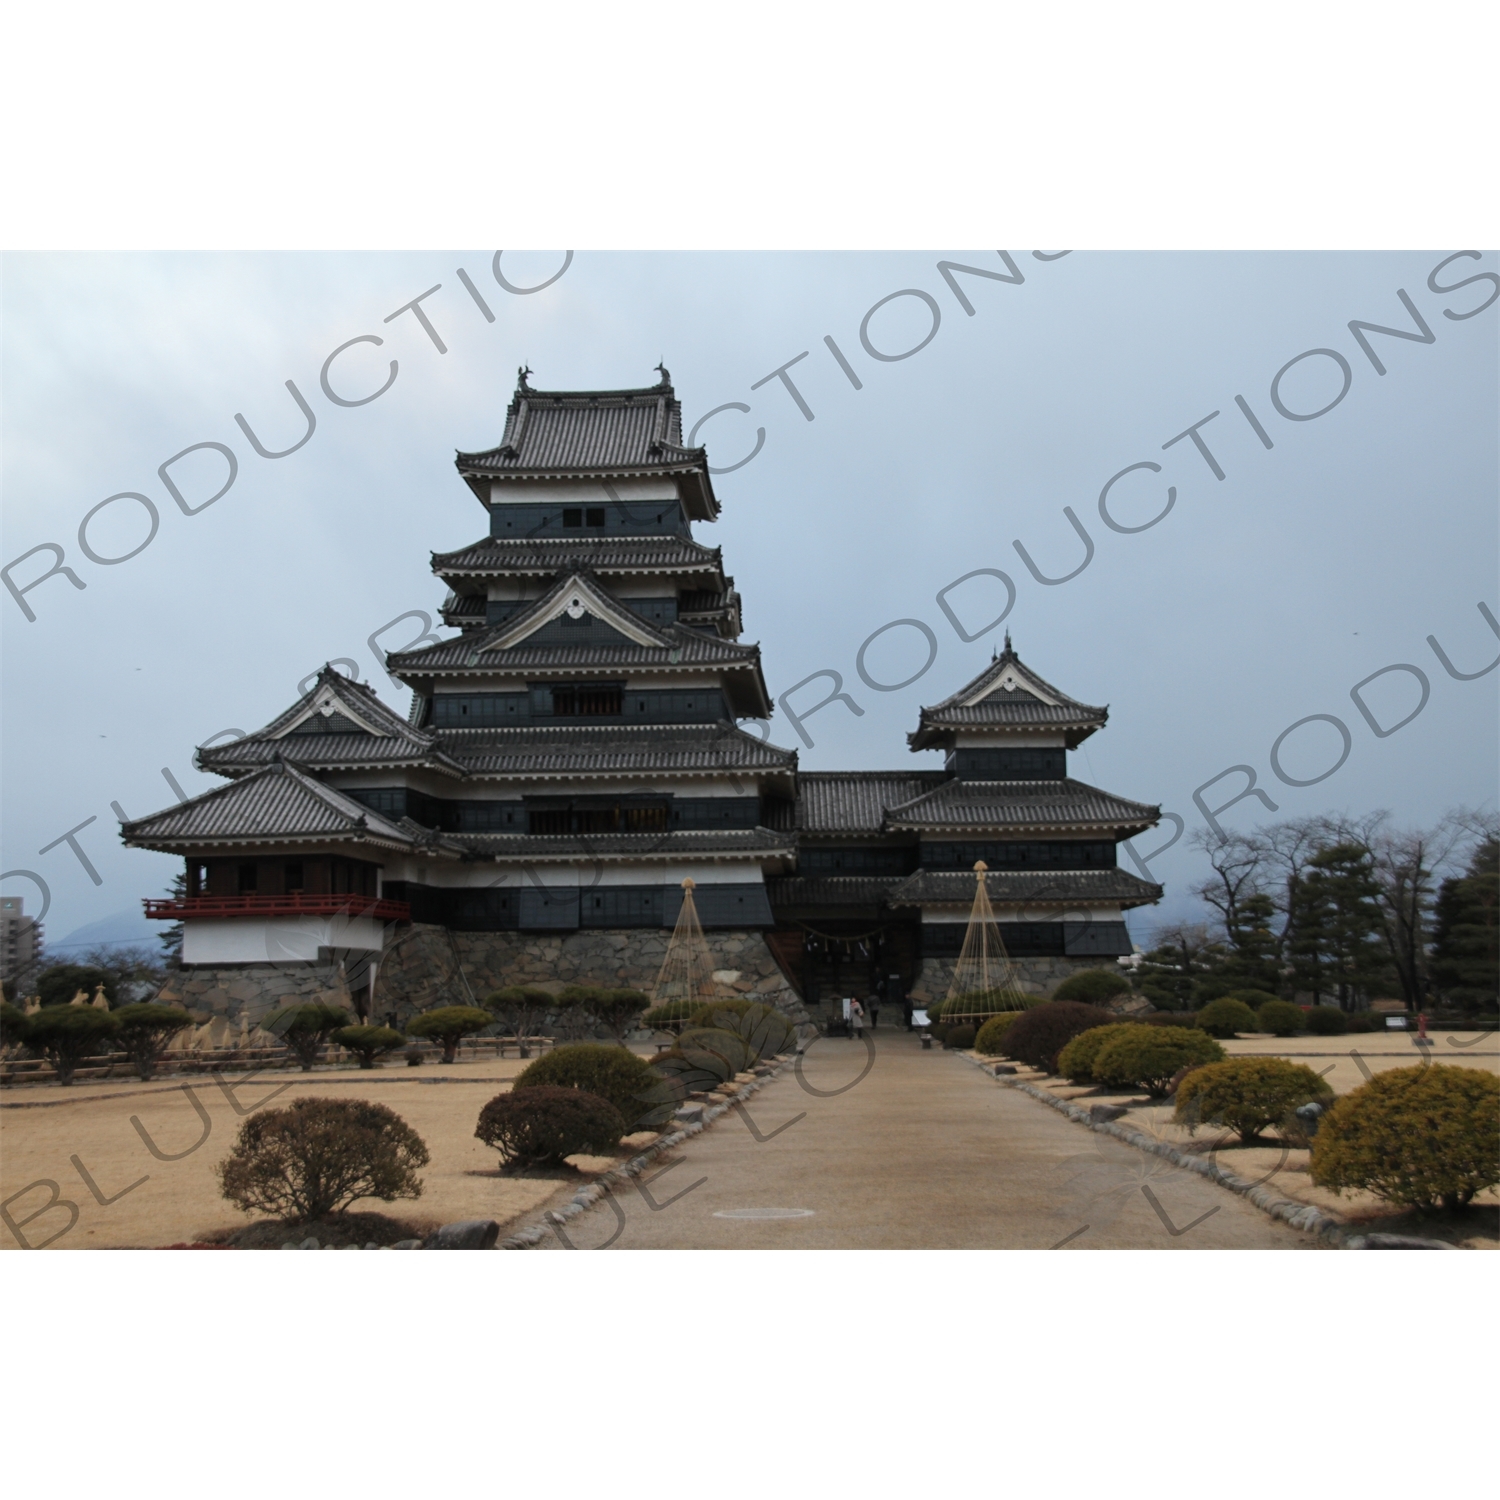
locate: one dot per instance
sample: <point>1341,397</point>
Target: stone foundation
<point>425,966</point>
<point>1037,976</point>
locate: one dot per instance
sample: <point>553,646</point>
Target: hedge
<point>1092,986</point>
<point>538,1127</point>
<point>1247,1093</point>
<point>610,1072</point>
<point>1226,1018</point>
<point>1326,1020</point>
<point>1280,1018</point>
<point>1419,1137</point>
<point>990,1039</point>
<point>958,1038</point>
<point>762,1029</point>
<point>1037,1036</point>
<point>1076,1060</point>
<point>1150,1057</point>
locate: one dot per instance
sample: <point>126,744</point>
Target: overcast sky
<point>1262,598</point>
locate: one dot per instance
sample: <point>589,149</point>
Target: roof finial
<point>1007,640</point>
<point>666,375</point>
<point>521,375</point>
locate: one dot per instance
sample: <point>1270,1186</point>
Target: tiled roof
<point>395,742</point>
<point>831,890</point>
<point>591,750</point>
<point>579,588</point>
<point>681,647</point>
<point>1007,694</point>
<point>1029,805</point>
<point>666,845</point>
<point>1024,887</point>
<point>278,802</point>
<point>494,557</point>
<point>559,433</point>
<point>856,801</point>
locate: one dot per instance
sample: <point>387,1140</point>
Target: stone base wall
<point>425,966</point>
<point>251,992</point>
<point>1037,976</point>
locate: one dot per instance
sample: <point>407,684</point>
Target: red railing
<point>175,909</point>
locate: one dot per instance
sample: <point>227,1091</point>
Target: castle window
<point>573,516</point>
<point>596,515</point>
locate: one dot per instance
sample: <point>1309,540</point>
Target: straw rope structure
<point>984,979</point>
<point>687,970</point>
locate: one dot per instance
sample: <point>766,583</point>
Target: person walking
<point>873,1006</point>
<point>856,1020</point>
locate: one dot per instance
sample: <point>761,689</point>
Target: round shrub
<point>1255,999</point>
<point>317,1156</point>
<point>538,1127</point>
<point>1417,1137</point>
<point>448,1025</point>
<point>1092,986</point>
<point>959,1038</point>
<point>1355,1022</point>
<point>1247,1093</point>
<point>145,1031</point>
<point>1076,1060</point>
<point>672,1016</point>
<point>1037,1036</point>
<point>990,1038</point>
<point>681,1073</point>
<point>1169,1018</point>
<point>612,1073</point>
<point>368,1042</point>
<point>1280,1018</point>
<point>718,1042</point>
<point>1326,1020</point>
<point>762,1029</point>
<point>66,1034</point>
<point>1226,1017</point>
<point>1149,1056</point>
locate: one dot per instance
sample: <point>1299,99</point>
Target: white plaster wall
<point>578,491</point>
<point>251,940</point>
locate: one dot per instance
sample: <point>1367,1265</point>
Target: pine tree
<point>1337,944</point>
<point>1466,947</point>
<point>171,939</point>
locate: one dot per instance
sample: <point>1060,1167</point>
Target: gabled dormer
<point>1009,723</point>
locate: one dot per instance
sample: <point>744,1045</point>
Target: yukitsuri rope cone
<point>984,980</point>
<point>687,970</point>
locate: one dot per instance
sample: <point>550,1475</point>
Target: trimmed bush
<point>520,1010</point>
<point>1247,1093</point>
<point>1326,1020</point>
<point>304,1028</point>
<point>1076,1060</point>
<point>1037,1036</point>
<point>1280,1018</point>
<point>1187,1018</point>
<point>1255,999</point>
<point>762,1029</point>
<point>958,1038</point>
<point>368,1043</point>
<point>1356,1022</point>
<point>1418,1137</point>
<point>146,1031</point>
<point>714,1039</point>
<point>990,1038</point>
<point>539,1127</point>
<point>600,1068</point>
<point>1092,986</point>
<point>618,1011</point>
<point>672,1016</point>
<point>1150,1056</point>
<point>66,1034</point>
<point>317,1156</point>
<point>448,1025</point>
<point>12,1024</point>
<point>1226,1018</point>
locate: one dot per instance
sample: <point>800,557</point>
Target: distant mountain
<point>123,929</point>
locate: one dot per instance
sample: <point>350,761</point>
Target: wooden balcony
<point>177,909</point>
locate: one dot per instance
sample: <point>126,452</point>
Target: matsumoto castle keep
<point>571,755</point>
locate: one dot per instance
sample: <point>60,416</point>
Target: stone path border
<point>1302,1216</point>
<point>616,1177</point>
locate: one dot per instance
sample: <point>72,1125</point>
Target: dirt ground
<point>51,1137</point>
